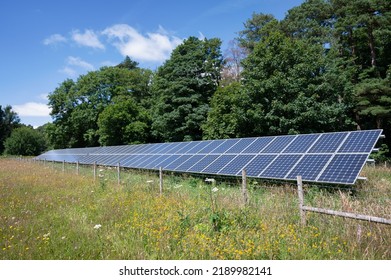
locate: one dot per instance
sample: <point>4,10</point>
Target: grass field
<point>46,213</point>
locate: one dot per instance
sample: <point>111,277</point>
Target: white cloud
<point>54,39</point>
<point>77,61</point>
<point>72,62</point>
<point>32,109</point>
<point>150,47</point>
<point>43,96</point>
<point>68,71</point>
<point>88,39</point>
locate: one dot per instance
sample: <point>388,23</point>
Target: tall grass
<point>49,214</point>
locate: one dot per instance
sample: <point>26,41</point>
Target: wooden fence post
<point>119,173</point>
<point>63,166</point>
<point>301,200</point>
<point>77,167</point>
<point>244,187</point>
<point>161,180</point>
<point>94,171</point>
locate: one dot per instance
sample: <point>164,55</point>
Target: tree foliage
<point>293,88</point>
<point>9,120</point>
<point>25,141</point>
<point>76,106</point>
<point>183,87</point>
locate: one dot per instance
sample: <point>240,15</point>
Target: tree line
<point>325,67</point>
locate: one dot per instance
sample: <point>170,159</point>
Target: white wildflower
<point>98,226</point>
<point>215,189</point>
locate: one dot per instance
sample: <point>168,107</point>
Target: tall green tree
<point>230,115</point>
<point>363,31</point>
<point>294,88</point>
<point>256,28</point>
<point>9,120</point>
<point>76,106</point>
<point>183,87</point>
<point>123,122</point>
<point>25,141</point>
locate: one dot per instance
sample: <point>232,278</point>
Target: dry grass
<point>48,214</point>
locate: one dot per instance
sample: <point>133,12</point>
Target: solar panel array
<point>325,157</point>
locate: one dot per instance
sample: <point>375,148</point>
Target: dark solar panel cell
<point>212,145</point>
<point>228,144</point>
<point>328,142</point>
<point>279,144</point>
<point>204,162</point>
<point>280,167</point>
<point>236,165</point>
<point>189,163</point>
<point>258,145</point>
<point>240,146</point>
<point>301,143</point>
<point>218,164</point>
<point>343,168</point>
<point>360,141</point>
<point>174,164</point>
<point>309,167</point>
<point>258,164</point>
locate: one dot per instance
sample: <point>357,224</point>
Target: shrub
<point>25,141</point>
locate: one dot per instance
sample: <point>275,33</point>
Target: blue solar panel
<point>151,164</point>
<point>280,167</point>
<point>197,146</point>
<point>144,160</point>
<point>199,166</point>
<point>160,162</point>
<point>328,143</point>
<point>278,144</point>
<point>301,143</point>
<point>360,141</point>
<point>218,164</point>
<point>189,163</point>
<point>209,148</point>
<point>343,168</point>
<point>240,146</point>
<point>258,145</point>
<point>224,147</point>
<point>236,165</point>
<point>257,165</point>
<point>309,167</point>
<point>174,164</point>
<point>168,160</point>
<point>329,157</point>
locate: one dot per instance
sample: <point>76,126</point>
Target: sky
<point>44,42</point>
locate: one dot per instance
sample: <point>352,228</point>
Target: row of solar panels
<point>326,157</point>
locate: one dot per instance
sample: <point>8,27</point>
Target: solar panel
<point>324,157</point>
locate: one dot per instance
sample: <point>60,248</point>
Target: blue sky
<point>45,42</point>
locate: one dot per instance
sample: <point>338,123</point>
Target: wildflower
<point>46,235</point>
<point>98,226</point>
<point>150,181</point>
<point>215,189</point>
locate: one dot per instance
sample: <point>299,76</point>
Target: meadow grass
<point>46,213</point>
